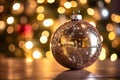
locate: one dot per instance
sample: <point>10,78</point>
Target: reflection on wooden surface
<point>45,69</point>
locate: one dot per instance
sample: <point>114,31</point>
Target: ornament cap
<point>76,17</point>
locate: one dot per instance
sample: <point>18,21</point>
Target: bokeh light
<point>40,9</point>
<point>40,17</point>
<point>103,54</point>
<point>67,5</point>
<point>113,57</point>
<point>16,6</point>
<point>61,10</point>
<point>29,45</point>
<point>50,1</point>
<point>2,25</point>
<point>40,1</point>
<point>37,54</point>
<point>11,47</point>
<point>74,3</point>
<point>111,36</point>
<point>10,30</point>
<point>90,11</point>
<point>45,33</point>
<point>48,22</point>
<point>43,39</point>
<point>1,8</point>
<point>83,1</point>
<point>10,20</point>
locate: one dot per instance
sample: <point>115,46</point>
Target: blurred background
<point>26,26</point>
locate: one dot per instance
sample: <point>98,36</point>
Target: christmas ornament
<point>76,44</point>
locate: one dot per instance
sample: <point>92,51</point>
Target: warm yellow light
<point>45,33</point>
<point>74,3</point>
<point>10,29</point>
<point>37,54</point>
<point>111,36</point>
<point>10,20</point>
<point>50,1</point>
<point>115,43</point>
<point>103,54</point>
<point>61,10</point>
<point>2,25</point>
<point>40,17</point>
<point>113,57</point>
<point>90,11</point>
<point>29,44</point>
<point>109,27</point>
<point>107,1</point>
<point>43,39</point>
<point>16,6</point>
<point>40,9</point>
<point>29,59</point>
<point>115,18</point>
<point>1,8</point>
<point>48,22</point>
<point>11,47</point>
<point>40,1</point>
<point>21,44</point>
<point>83,1</point>
<point>93,23</point>
<point>67,5</point>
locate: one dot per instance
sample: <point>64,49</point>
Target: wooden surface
<point>45,69</point>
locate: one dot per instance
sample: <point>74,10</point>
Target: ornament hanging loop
<point>76,17</point>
